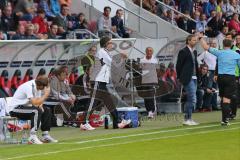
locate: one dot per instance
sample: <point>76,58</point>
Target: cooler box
<point>129,113</point>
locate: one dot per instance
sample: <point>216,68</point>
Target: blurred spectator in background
<point>81,22</point>
<point>1,22</point>
<point>169,17</point>
<point>41,21</point>
<point>25,9</point>
<point>66,2</point>
<point>221,36</point>
<point>214,26</point>
<point>210,6</point>
<point>52,33</point>
<point>149,5</point>
<point>37,34</point>
<point>20,33</point>
<point>4,3</point>
<point>186,5</point>
<point>186,24</point>
<point>45,5</point>
<point>9,23</point>
<point>201,23</point>
<point>29,33</point>
<point>105,23</point>
<point>63,20</point>
<point>234,23</point>
<point>55,7</point>
<point>202,85</point>
<point>219,6</point>
<point>213,13</point>
<point>171,75</point>
<point>118,23</point>
<point>162,72</point>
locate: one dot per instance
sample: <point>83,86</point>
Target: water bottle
<point>7,134</point>
<point>24,139</point>
<point>106,122</point>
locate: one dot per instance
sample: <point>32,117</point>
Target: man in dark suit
<point>187,67</point>
<point>118,23</point>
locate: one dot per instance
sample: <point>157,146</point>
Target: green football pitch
<point>163,138</point>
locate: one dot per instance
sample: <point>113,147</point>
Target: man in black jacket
<point>187,74</point>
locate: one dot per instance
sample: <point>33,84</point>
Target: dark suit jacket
<point>184,65</point>
<point>118,22</point>
<point>188,27</point>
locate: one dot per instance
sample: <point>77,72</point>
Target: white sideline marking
<point>150,133</point>
<point>122,143</point>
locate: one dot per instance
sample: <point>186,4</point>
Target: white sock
<point>44,133</point>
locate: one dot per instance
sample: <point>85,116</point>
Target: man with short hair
<point>227,62</point>
<point>63,20</point>
<point>118,23</point>
<point>27,104</point>
<point>149,65</point>
<point>105,23</point>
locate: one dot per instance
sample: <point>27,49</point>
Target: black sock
<point>233,107</point>
<point>225,112</point>
<point>114,115</point>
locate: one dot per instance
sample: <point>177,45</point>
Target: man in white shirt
<point>27,104</point>
<point>101,73</point>
<point>149,80</point>
<point>211,61</point>
<point>104,23</point>
<point>221,36</point>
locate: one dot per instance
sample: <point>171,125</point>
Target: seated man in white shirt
<point>27,104</point>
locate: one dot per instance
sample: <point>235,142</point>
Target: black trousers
<point>150,99</point>
<point>100,94</point>
<point>35,114</point>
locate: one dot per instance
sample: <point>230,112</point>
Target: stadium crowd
<point>51,19</point>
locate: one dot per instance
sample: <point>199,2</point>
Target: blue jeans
<point>211,99</point>
<point>200,97</point>
<point>190,89</point>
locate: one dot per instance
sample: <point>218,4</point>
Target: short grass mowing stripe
<point>121,143</point>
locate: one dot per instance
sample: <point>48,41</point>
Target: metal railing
<point>84,33</point>
<point>172,11</point>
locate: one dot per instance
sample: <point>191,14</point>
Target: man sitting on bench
<point>27,104</point>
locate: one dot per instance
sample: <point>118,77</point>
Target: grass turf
<point>163,138</point>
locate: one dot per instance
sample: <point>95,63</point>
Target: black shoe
<point>232,117</point>
<point>225,123</point>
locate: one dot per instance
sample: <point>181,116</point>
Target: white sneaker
<point>150,114</point>
<point>124,123</point>
<point>48,139</point>
<point>86,127</point>
<point>193,123</point>
<point>187,122</point>
<point>33,139</point>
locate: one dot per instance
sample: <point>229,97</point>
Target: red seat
<point>73,76</point>
<point>42,72</point>
<point>51,73</point>
<point>5,84</point>
<point>16,80</point>
<point>92,26</point>
<point>28,76</point>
